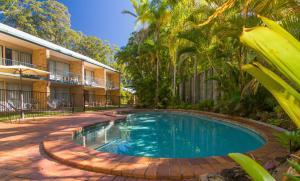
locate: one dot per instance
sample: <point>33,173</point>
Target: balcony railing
<point>66,77</point>
<point>111,85</point>
<point>9,62</point>
<point>94,82</point>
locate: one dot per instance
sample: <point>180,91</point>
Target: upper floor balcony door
<point>91,80</point>
<point>60,72</point>
<point>15,57</point>
<point>89,77</point>
<point>111,82</point>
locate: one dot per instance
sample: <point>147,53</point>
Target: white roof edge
<point>41,42</point>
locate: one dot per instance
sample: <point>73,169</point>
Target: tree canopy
<point>50,20</point>
<point>189,37</point>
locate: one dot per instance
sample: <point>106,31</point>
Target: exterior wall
<point>116,79</point>
<point>39,58</point>
<point>78,69</point>
<point>100,74</point>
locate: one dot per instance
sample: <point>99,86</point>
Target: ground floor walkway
<point>22,158</point>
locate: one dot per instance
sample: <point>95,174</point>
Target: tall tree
<point>50,20</point>
<point>153,15</point>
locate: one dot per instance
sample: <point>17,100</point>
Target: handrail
<point>65,77</point>
<point>95,82</point>
<point>11,62</point>
<point>111,85</point>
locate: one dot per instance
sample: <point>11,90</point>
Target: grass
<point>14,115</point>
<point>7,116</point>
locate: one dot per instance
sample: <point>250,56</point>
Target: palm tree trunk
<point>195,79</point>
<point>157,79</point>
<point>174,80</point>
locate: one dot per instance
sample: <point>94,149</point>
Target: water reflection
<point>171,135</point>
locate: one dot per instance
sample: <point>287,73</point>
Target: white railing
<point>9,62</point>
<point>111,85</point>
<point>65,77</point>
<point>94,82</point>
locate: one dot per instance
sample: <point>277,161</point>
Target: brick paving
<point>22,155</point>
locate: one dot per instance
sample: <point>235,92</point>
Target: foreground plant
<point>282,51</point>
<point>290,140</point>
<point>253,169</point>
<point>284,56</point>
<point>257,172</point>
<point>296,167</point>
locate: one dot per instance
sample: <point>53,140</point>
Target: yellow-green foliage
<point>282,51</point>
<point>256,171</point>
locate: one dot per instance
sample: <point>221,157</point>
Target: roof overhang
<point>35,42</point>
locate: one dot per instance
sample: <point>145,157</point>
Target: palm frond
<point>129,12</point>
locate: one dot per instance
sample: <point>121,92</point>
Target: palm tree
<point>153,16</point>
<point>181,10</point>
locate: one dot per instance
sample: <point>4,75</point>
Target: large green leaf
<point>278,47</point>
<point>255,170</point>
<point>287,97</point>
<point>278,29</point>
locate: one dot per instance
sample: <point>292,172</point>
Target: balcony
<point>12,67</point>
<point>93,82</point>
<point>9,62</point>
<point>112,85</point>
<point>66,78</point>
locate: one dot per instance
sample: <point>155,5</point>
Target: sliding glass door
<point>59,71</point>
<point>15,57</point>
<point>8,56</point>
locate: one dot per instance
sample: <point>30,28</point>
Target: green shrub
<point>289,139</point>
<point>206,105</point>
<point>275,122</point>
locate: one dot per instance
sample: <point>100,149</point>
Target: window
<point>25,59</point>
<point>89,74</point>
<point>14,57</point>
<point>89,77</point>
<point>109,82</point>
<point>52,69</point>
<point>58,70</point>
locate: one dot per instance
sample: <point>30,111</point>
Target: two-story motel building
<point>69,72</point>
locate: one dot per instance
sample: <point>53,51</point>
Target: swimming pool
<point>169,135</point>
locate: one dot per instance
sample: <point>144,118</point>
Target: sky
<point>102,18</point>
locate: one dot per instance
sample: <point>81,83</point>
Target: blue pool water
<point>169,135</point>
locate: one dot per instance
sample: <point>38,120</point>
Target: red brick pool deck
<point>23,157</point>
